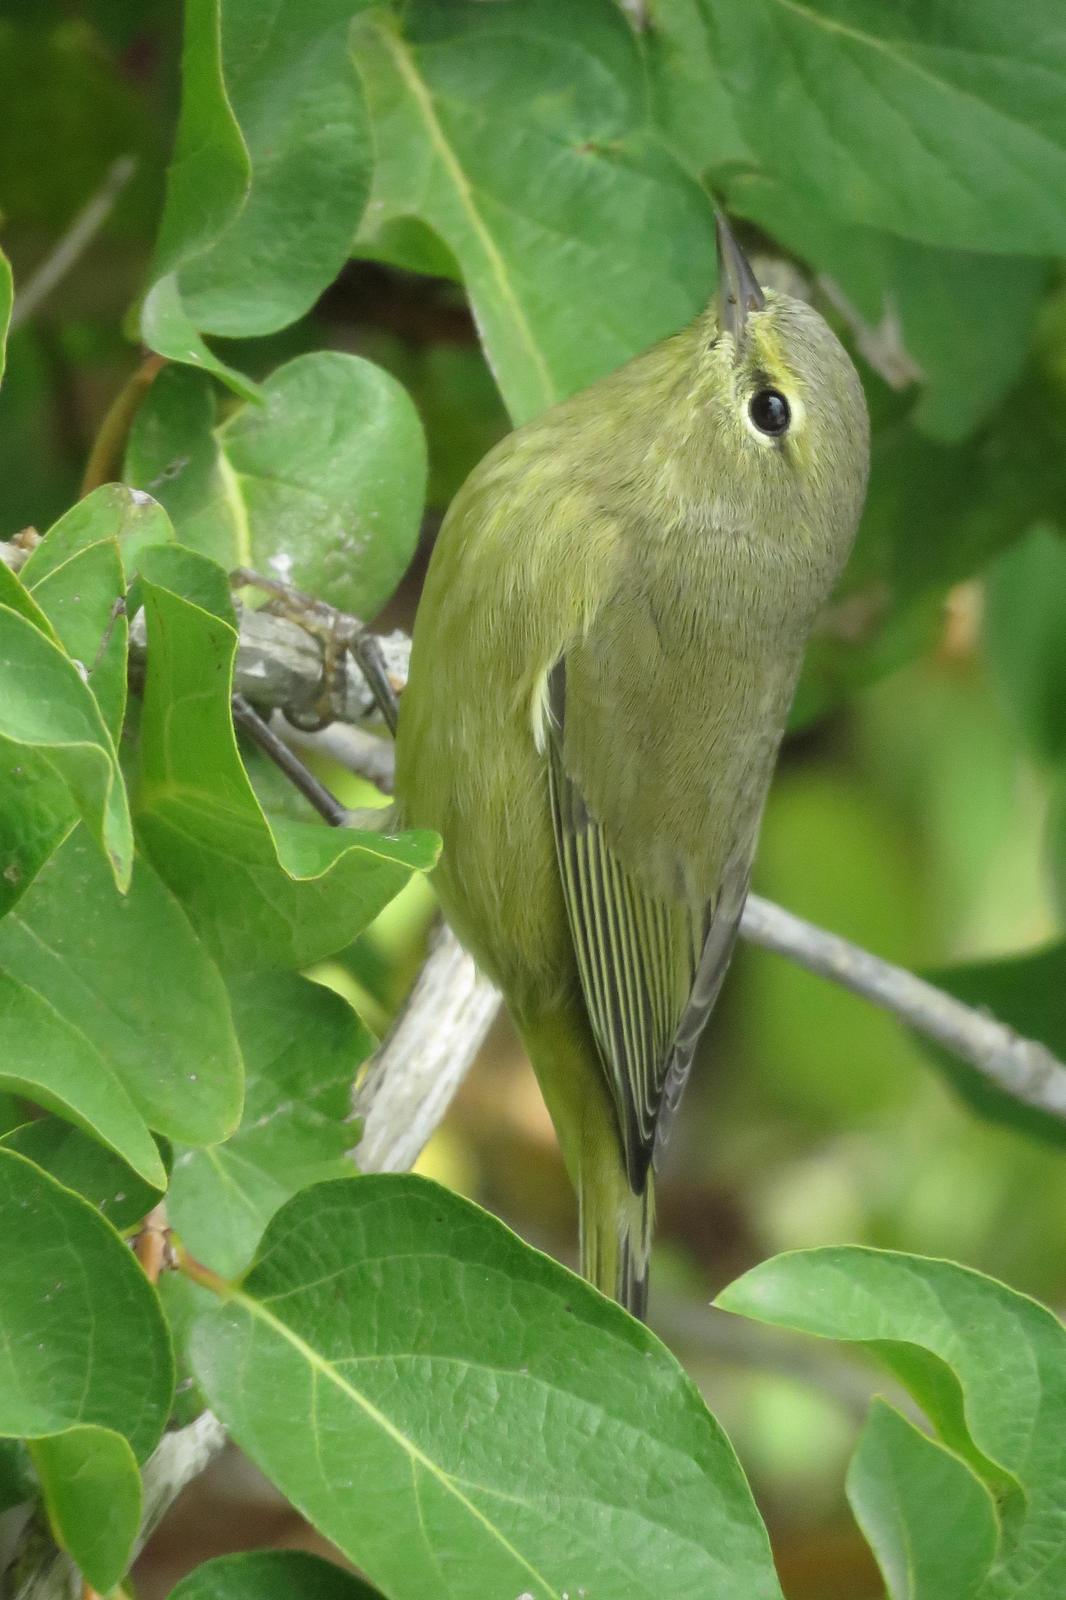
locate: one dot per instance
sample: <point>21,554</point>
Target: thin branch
<point>74,243</point>
<point>1022,1068</point>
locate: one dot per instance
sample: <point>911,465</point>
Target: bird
<point>603,660</point>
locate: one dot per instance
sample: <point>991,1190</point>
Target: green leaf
<point>279,1574</point>
<point>92,1493</point>
<point>521,134</point>
<point>462,1416</point>
<point>987,1366</point>
<point>270,175</point>
<point>260,898</point>
<point>322,484</point>
<point>210,171</point>
<point>1025,637</point>
<point>77,578</point>
<point>207,183</point>
<point>931,1523</point>
<point>81,1164</point>
<point>167,327</point>
<point>130,982</point>
<point>1026,993</point>
<point>174,454</point>
<point>48,709</point>
<point>299,105</point>
<point>690,100</point>
<point>129,517</point>
<point>942,125</point>
<point>82,1339</point>
<point>7,295</point>
<point>302,1047</point>
<point>50,1061</point>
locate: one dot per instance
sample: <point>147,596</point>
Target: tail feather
<point>616,1234</point>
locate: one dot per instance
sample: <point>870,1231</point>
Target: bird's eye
<point>769,411</point>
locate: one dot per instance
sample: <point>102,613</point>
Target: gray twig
<point>1022,1068</point>
<point>416,1071</point>
<point>74,243</point>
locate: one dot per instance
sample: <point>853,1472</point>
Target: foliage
<point>456,1413</point>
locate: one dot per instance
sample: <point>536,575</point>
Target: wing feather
<point>649,969</point>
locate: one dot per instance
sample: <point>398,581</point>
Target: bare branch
<point>415,1073</point>
<point>74,243</point>
<point>1022,1068</point>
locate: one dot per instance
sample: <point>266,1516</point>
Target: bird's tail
<point>616,1224</point>
<point>616,1229</point>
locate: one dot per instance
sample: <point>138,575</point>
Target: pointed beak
<point>738,292</point>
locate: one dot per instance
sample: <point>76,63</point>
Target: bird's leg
<point>338,633</point>
<point>302,778</point>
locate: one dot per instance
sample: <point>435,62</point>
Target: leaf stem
<point>198,1273</point>
<point>105,459</point>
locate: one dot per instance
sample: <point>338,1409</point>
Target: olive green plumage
<point>603,661</point>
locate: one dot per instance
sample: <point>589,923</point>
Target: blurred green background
<point>917,814</point>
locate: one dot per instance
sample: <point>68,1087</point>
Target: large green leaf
<point>52,1062</point>
<point>300,109</point>
<point>75,1303</point>
<point>130,980</point>
<point>270,174</point>
<point>931,1523</point>
<point>987,1366</point>
<point>277,1574</point>
<point>92,1493</point>
<point>302,1047</point>
<point>940,123</point>
<point>207,184</point>
<point>322,484</point>
<point>463,1417</point>
<point>261,897</point>
<point>520,134</point>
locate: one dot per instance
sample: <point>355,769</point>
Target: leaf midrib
<point>902,58</point>
<point>423,100</point>
<point>257,1311</point>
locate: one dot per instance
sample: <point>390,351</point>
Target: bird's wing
<point>650,968</point>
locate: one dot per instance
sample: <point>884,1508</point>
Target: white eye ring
<point>794,415</point>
